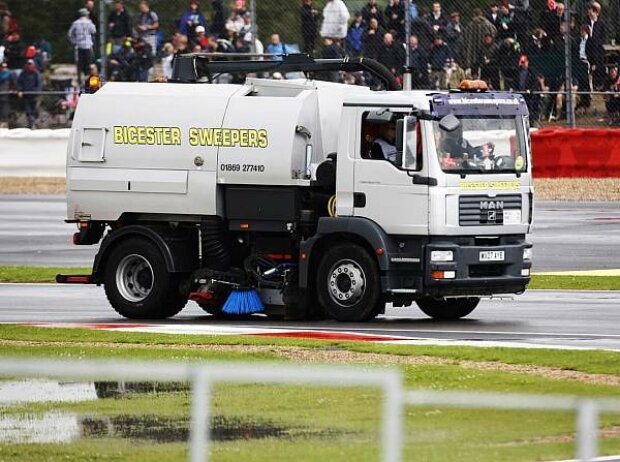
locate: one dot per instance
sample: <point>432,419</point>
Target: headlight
<point>442,255</point>
<point>527,253</point>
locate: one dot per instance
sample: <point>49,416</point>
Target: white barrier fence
<point>38,153</point>
<point>202,377</point>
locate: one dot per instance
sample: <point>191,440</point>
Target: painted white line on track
<point>311,334</point>
<point>397,332</point>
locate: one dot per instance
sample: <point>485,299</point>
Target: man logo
<point>492,215</point>
<point>491,205</point>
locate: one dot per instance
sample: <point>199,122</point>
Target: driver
<point>384,145</point>
<point>456,149</point>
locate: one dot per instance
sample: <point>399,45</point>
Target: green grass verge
<point>575,282</point>
<point>345,421</point>
<point>35,274</point>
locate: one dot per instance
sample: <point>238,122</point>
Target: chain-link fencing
<point>530,46</point>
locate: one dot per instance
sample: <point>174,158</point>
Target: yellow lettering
<point>234,137</point>
<point>217,136</point>
<point>262,139</point>
<point>150,135</point>
<point>158,135</point>
<point>141,133</point>
<point>243,142</point>
<point>252,138</point>
<point>131,135</point>
<point>193,137</point>
<point>118,135</point>
<point>226,137</point>
<point>147,135</point>
<point>176,135</point>
<point>166,135</point>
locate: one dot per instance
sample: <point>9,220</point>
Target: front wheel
<point>137,283</point>
<point>347,283</point>
<point>454,308</point>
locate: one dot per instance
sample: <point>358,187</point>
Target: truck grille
<point>483,210</point>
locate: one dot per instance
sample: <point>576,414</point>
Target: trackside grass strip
<point>575,282</point>
<point>35,274</point>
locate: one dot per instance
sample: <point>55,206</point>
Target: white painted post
<point>392,419</point>
<point>200,416</point>
<point>586,440</point>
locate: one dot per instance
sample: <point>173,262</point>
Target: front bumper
<point>475,277</point>
<point>469,275</point>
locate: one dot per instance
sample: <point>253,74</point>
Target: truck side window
<point>378,140</point>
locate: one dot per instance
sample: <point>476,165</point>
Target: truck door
<point>392,191</point>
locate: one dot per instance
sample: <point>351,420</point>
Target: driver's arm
<point>480,151</point>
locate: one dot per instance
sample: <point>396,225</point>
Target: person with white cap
<point>81,35</point>
<point>200,38</point>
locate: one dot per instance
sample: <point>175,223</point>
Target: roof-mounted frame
<point>201,67</point>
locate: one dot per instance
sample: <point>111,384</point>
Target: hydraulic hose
<point>214,249</point>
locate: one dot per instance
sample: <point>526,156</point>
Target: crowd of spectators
<point>21,65</point>
<point>508,44</point>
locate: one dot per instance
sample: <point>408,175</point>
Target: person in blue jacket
<point>191,19</point>
<point>354,43</point>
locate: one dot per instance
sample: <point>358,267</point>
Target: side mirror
<point>449,123</point>
<point>410,147</point>
<point>400,135</point>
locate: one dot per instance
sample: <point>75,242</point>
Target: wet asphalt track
<point>547,318</point>
<point>567,236</point>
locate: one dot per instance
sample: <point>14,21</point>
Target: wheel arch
<point>331,231</point>
<point>176,251</point>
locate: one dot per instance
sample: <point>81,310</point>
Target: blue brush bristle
<point>243,302</point>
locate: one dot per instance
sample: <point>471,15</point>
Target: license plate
<point>492,255</point>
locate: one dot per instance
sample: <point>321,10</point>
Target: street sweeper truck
<point>299,198</point>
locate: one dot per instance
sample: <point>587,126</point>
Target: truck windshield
<point>483,145</point>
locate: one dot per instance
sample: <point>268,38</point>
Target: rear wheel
<point>448,309</point>
<point>348,284</point>
<point>137,283</point>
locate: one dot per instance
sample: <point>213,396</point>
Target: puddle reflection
<point>38,391</point>
<point>67,427</point>
<point>59,427</point>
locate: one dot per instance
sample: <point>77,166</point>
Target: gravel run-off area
<point>556,189</point>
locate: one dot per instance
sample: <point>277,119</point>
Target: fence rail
<point>202,377</point>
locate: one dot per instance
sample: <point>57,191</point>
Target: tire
<point>448,309</point>
<point>347,283</point>
<point>137,284</point>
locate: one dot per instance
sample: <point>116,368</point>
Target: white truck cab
<point>325,199</point>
